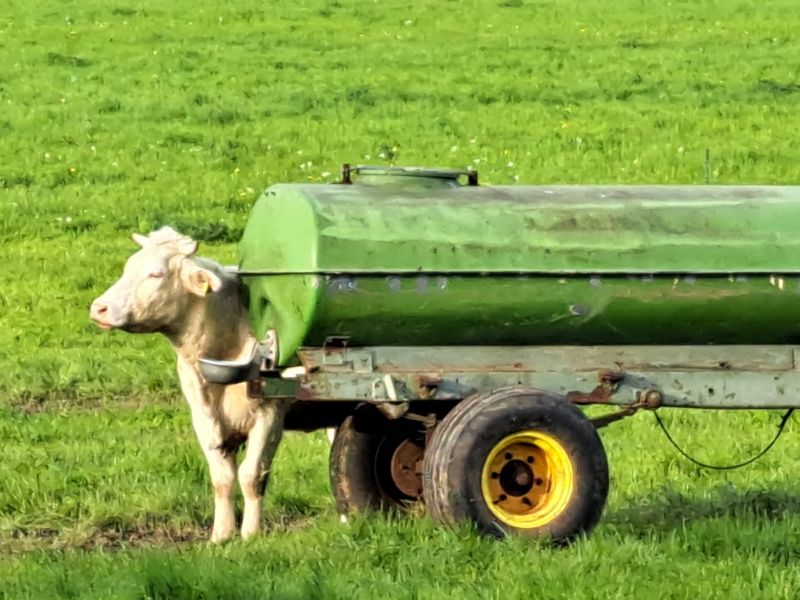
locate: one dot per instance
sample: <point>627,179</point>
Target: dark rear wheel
<point>375,470</point>
<point>517,461</point>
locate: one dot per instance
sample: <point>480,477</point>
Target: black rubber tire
<point>359,471</point>
<point>462,442</point>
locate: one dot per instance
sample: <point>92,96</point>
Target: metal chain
<point>782,424</point>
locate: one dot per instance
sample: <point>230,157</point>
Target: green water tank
<point>428,257</point>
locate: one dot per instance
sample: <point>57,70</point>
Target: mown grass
<point>117,118</point>
<point>123,118</point>
<point>106,503</point>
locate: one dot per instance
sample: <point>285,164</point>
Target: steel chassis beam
<point>741,377</point>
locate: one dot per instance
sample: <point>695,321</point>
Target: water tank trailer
<point>449,330</point>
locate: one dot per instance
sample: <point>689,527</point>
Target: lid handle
<point>450,176</point>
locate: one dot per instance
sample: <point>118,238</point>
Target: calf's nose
<point>98,311</point>
<point>99,308</point>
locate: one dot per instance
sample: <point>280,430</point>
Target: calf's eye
<point>156,274</point>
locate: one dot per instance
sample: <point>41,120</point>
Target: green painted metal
<point>426,261</point>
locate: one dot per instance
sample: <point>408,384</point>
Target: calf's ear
<point>200,281</point>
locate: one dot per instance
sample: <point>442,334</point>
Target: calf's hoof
<point>222,536</point>
<point>250,533</point>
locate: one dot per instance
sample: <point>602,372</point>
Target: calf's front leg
<point>221,464</point>
<point>262,442</point>
<point>222,469</point>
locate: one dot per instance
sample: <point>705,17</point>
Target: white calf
<point>166,289</point>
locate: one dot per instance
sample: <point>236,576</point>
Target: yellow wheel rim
<point>527,479</point>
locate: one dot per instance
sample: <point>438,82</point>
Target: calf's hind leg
<point>262,442</point>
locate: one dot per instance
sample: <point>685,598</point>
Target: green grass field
<point>117,118</point>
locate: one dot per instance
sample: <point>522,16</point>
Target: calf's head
<point>158,286</point>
